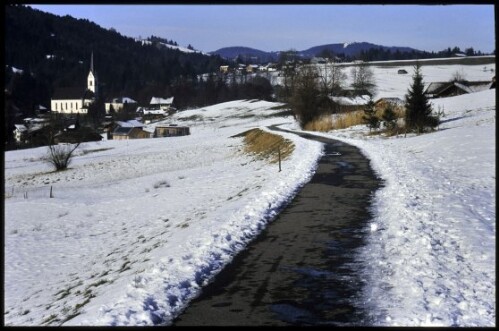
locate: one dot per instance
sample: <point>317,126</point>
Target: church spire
<point>92,76</point>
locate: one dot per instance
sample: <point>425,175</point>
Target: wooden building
<point>124,133</point>
<point>171,131</point>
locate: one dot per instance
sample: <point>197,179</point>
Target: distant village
<point>69,103</point>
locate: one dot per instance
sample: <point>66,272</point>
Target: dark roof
<point>68,93</point>
<point>437,88</point>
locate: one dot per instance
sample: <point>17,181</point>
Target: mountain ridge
<point>346,49</point>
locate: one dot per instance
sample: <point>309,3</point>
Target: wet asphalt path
<point>300,270</point>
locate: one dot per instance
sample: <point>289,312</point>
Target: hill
<point>246,54</point>
<point>354,49</point>
<point>345,51</point>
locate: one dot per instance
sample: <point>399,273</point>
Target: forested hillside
<point>57,50</point>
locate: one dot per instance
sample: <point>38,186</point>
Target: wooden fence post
<point>51,191</point>
<point>279,151</point>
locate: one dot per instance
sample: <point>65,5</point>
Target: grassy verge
<point>345,120</point>
<point>265,145</point>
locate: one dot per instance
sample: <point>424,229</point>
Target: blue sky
<point>283,27</point>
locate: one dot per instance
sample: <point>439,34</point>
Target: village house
<point>125,133</point>
<point>132,129</point>
<point>224,69</point>
<point>117,104</point>
<point>448,89</point>
<point>69,100</point>
<point>20,133</point>
<point>160,103</point>
<point>397,104</point>
<point>170,130</point>
<point>318,60</point>
<point>251,68</point>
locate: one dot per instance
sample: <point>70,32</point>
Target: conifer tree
<point>369,117</point>
<point>389,118</point>
<point>417,107</point>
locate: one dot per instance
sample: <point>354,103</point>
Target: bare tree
<point>458,76</point>
<point>332,78</point>
<point>363,78</point>
<point>307,101</point>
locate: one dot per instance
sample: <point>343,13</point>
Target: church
<point>73,100</point>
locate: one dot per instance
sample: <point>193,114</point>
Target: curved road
<point>300,270</point>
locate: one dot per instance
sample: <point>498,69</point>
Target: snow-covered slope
<point>136,227</point>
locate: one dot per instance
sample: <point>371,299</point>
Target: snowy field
<point>136,228</point>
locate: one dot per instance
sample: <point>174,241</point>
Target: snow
<point>157,100</point>
<point>15,70</point>
<point>130,124</point>
<point>182,49</point>
<point>430,257</point>
<point>352,101</point>
<point>136,227</point>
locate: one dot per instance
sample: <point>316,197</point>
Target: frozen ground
<point>135,228</point>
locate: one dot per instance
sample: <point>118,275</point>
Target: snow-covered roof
<point>147,111</point>
<point>123,100</point>
<point>130,124</point>
<point>352,101</point>
<point>468,87</point>
<point>16,71</point>
<point>161,101</point>
<point>21,127</point>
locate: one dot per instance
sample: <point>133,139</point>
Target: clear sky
<point>284,27</point>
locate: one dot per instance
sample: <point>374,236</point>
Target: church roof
<point>71,93</point>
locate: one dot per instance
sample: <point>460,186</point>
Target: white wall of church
<point>67,106</point>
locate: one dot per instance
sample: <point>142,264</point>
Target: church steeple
<point>92,62</point>
<point>92,76</point>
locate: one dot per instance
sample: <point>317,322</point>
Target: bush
<point>389,119</point>
<point>60,155</point>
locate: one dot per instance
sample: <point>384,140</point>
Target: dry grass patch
<point>345,120</point>
<point>341,121</point>
<point>266,145</point>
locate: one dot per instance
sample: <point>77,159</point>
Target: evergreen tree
<point>369,117</point>
<point>418,109</point>
<point>389,118</point>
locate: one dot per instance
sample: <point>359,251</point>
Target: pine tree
<point>389,118</point>
<point>369,117</point>
<point>417,107</point>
